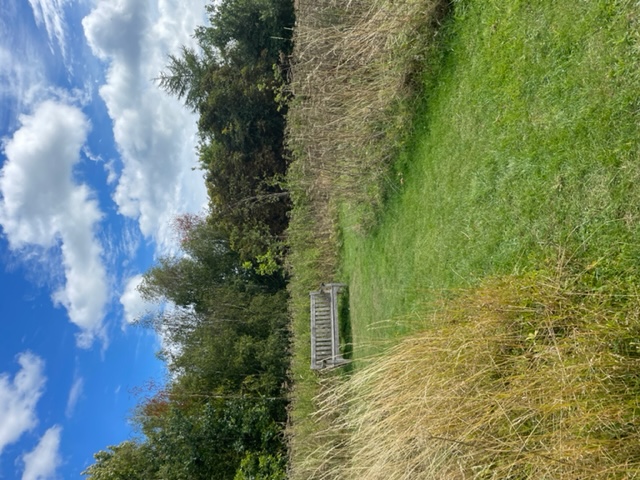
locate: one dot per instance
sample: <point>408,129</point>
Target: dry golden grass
<point>353,70</point>
<point>534,377</point>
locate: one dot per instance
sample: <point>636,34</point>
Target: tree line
<point>222,410</point>
<point>233,83</point>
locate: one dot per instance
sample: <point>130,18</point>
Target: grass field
<point>527,151</point>
<point>522,166</point>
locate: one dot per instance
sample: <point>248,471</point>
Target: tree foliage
<point>225,343</point>
<point>230,83</point>
<point>129,460</point>
<point>216,440</point>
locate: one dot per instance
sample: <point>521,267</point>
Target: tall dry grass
<point>535,377</point>
<point>354,76</point>
<point>355,69</point>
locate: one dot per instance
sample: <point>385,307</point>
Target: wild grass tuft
<point>529,377</point>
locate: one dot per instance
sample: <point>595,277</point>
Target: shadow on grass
<point>344,328</point>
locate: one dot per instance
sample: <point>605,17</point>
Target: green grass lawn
<point>524,153</point>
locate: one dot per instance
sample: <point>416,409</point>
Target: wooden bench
<point>325,344</point>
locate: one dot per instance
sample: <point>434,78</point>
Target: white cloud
<point>17,77</point>
<point>155,134</point>
<point>50,13</point>
<point>24,85</point>
<point>112,175</point>
<point>42,206</point>
<point>18,398</point>
<point>90,155</point>
<point>134,305</point>
<point>21,83</point>
<point>41,463</point>
<point>74,395</point>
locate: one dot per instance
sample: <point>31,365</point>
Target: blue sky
<point>96,162</point>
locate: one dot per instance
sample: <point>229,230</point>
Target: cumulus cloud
<point>18,398</point>
<point>155,134</point>
<point>41,463</point>
<point>134,305</point>
<point>50,13</point>
<point>42,206</point>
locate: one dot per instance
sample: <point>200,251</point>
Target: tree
<point>245,30</point>
<point>230,83</point>
<point>129,460</point>
<point>209,441</point>
<point>262,466</point>
<point>188,76</point>
<point>206,263</point>
<point>201,441</point>
<point>207,269</point>
<point>239,343</point>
